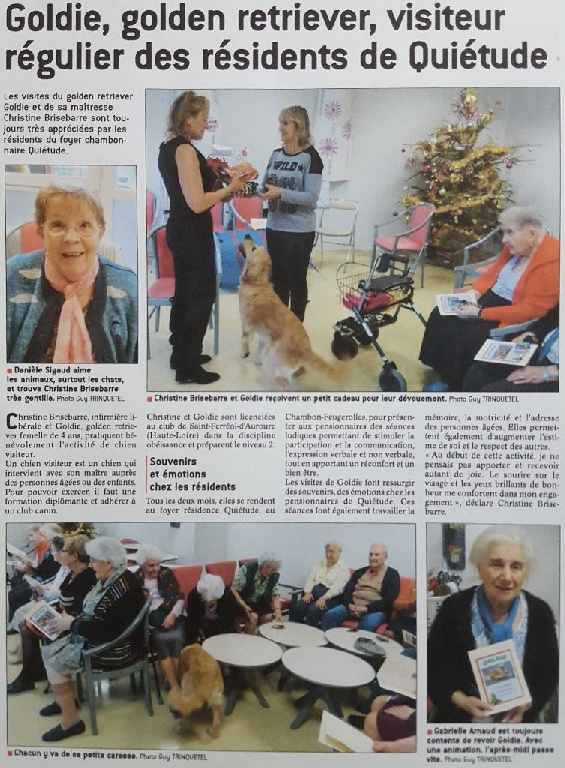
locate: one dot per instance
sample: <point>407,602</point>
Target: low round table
<point>324,669</point>
<point>242,653</point>
<point>343,638</point>
<point>292,635</point>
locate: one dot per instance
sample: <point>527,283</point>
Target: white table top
<point>241,650</point>
<point>345,639</point>
<point>292,634</point>
<point>328,666</point>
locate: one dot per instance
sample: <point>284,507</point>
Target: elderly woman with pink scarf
<point>65,303</point>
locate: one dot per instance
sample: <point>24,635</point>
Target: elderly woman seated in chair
<point>108,609</point>
<point>166,609</point>
<point>521,285</point>
<point>211,609</point>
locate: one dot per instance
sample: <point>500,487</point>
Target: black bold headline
<point>471,49</point>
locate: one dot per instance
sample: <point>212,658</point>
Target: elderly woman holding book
<point>522,284</point>
<point>40,566</point>
<point>498,610</point>
<point>108,609</point>
<point>78,580</point>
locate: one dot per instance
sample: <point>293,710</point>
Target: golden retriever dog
<point>201,684</point>
<point>283,344</point>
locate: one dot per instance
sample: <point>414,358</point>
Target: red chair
<point>218,217</point>
<point>150,207</point>
<point>162,289</point>
<point>244,209</point>
<point>24,238</point>
<point>188,577</point>
<point>404,602</point>
<point>224,568</point>
<point>410,242</point>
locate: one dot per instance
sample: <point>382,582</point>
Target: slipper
<point>58,733</point>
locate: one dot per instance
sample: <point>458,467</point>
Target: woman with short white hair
<point>522,284</point>
<point>108,609</point>
<point>211,609</point>
<point>499,609</point>
<point>167,607</point>
<point>323,587</point>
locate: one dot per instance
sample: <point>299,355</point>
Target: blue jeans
<point>335,616</point>
<point>308,612</point>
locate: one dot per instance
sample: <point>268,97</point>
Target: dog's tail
<point>337,370</point>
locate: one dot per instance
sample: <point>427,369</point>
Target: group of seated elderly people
<point>99,596</point>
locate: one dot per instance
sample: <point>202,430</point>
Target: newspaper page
<point>209,347</point>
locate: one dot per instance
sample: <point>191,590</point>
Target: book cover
<point>499,676</point>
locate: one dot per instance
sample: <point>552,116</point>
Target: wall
<point>386,122</point>
<point>299,545</point>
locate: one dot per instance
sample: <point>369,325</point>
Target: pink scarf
<point>73,343</point>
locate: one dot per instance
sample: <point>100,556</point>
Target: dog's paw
<point>244,355</point>
<point>213,731</point>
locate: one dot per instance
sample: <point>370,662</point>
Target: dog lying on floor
<point>201,684</point>
<point>284,347</point>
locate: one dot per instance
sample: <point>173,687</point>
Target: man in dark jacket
<point>368,595</point>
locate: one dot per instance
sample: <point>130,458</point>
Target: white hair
<point>210,587</point>
<point>502,534</point>
<point>269,557</point>
<point>48,530</point>
<point>107,548</point>
<point>523,217</point>
<point>147,552</point>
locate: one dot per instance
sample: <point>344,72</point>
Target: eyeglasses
<point>84,229</point>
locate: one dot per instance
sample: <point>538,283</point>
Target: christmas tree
<point>462,177</point>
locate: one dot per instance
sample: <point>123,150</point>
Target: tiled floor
<point>123,722</point>
<point>401,341</point>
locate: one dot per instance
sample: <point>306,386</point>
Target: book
<point>42,616</point>
<point>341,736</point>
<point>447,303</point>
<point>499,676</point>
<point>506,352</point>
<point>15,552</point>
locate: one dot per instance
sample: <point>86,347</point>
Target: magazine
<point>42,616</point>
<point>447,303</point>
<point>506,352</point>
<point>499,676</point>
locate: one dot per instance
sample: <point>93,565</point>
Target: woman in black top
<point>79,580</point>
<point>190,184</point>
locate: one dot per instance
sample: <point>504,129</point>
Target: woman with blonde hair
<point>292,184</point>
<point>192,188</point>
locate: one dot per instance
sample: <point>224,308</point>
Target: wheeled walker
<point>374,300</point>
